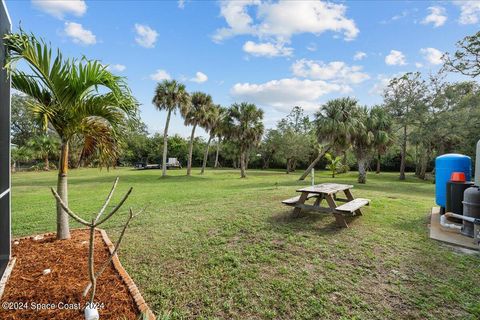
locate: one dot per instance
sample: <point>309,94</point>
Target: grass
<point>216,246</point>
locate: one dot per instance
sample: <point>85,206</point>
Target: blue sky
<point>276,54</point>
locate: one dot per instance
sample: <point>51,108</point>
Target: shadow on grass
<point>285,222</point>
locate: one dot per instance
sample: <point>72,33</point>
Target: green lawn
<point>216,246</point>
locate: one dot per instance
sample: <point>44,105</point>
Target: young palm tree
<point>212,124</point>
<point>334,123</point>
<point>220,129</point>
<point>362,139</point>
<point>69,95</point>
<point>196,115</point>
<point>245,128</point>
<point>170,95</point>
<point>44,145</point>
<point>382,127</point>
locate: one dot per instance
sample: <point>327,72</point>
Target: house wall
<point>5,219</point>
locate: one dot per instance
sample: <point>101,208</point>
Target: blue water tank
<point>444,166</point>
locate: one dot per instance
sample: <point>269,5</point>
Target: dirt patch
<point>30,294</point>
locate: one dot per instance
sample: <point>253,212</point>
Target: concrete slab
<point>449,236</point>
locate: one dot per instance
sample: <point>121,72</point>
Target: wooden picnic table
<point>328,192</point>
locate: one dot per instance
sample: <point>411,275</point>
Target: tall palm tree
<point>334,124</point>
<point>220,130</point>
<point>69,96</point>
<point>212,124</point>
<point>245,129</point>
<point>170,95</point>
<point>382,128</point>
<point>196,115</point>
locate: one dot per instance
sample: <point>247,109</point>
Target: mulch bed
<point>37,296</point>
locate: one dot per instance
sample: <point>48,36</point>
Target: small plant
<point>334,163</point>
<point>90,310</point>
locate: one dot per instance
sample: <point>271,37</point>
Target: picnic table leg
<point>302,200</point>
<point>338,216</point>
<point>349,196</point>
<point>318,201</point>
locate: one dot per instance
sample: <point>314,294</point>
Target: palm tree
<point>382,127</point>
<point>170,95</point>
<point>362,139</point>
<point>44,145</point>
<point>196,115</point>
<point>334,123</point>
<point>220,129</point>
<point>212,124</point>
<point>245,128</point>
<point>69,95</point>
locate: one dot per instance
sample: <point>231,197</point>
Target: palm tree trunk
<point>403,154</point>
<point>165,147</point>
<point>242,165</point>
<point>47,163</point>
<point>362,173</point>
<point>190,150</point>
<point>378,163</point>
<point>314,162</point>
<point>63,229</point>
<point>205,156</point>
<point>218,152</point>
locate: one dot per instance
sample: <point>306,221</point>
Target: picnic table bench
<point>328,192</point>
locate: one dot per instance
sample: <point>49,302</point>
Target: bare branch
<point>67,210</point>
<point>107,201</point>
<point>115,209</point>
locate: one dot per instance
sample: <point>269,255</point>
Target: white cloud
<point>312,47</point>
<point>395,58</point>
<point>160,75</point>
<point>382,82</point>
<point>335,71</point>
<point>359,55</point>
<point>432,55</point>
<point>283,19</point>
<point>59,8</point>
<point>418,64</point>
<point>267,49</point>
<point>437,16</point>
<point>469,11</point>
<point>116,67</point>
<point>181,4</point>
<point>146,36</point>
<point>200,77</point>
<point>79,34</point>
<point>284,93</point>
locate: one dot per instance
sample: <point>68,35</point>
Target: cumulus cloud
<point>395,58</point>
<point>379,87</point>
<point>283,19</point>
<point>160,75</point>
<point>418,64</point>
<point>359,55</point>
<point>432,55</point>
<point>284,93</point>
<point>469,11</point>
<point>437,16</point>
<point>267,49</point>
<point>116,67</point>
<point>60,8</point>
<point>146,36</point>
<point>335,71</point>
<point>79,34</point>
<point>200,77</point>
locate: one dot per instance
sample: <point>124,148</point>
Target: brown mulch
<point>37,296</point>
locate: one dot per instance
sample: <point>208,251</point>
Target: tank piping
<point>449,225</point>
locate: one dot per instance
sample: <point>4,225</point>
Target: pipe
<point>445,224</point>
<point>461,217</point>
